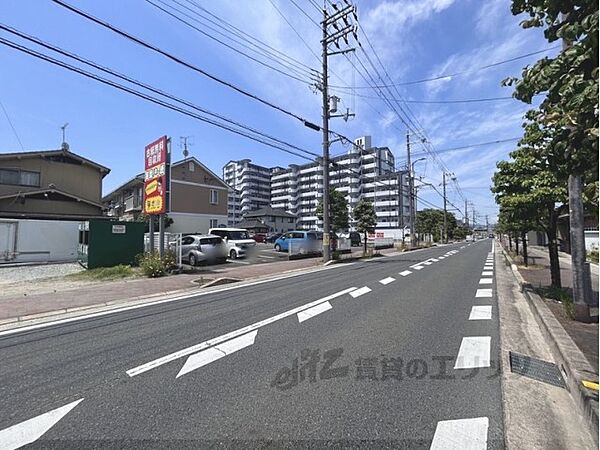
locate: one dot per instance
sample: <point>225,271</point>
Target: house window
<point>214,197</point>
<point>214,223</point>
<point>19,177</point>
<point>191,166</point>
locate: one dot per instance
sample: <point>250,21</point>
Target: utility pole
<point>487,224</point>
<point>445,211</point>
<point>411,193</point>
<point>340,32</point>
<point>466,215</point>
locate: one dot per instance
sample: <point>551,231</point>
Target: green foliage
<point>593,256</point>
<point>560,295</point>
<point>431,221</point>
<point>339,210</point>
<point>364,214</point>
<point>104,273</point>
<point>154,266</point>
<point>146,219</point>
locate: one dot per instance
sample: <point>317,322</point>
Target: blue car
<point>299,242</point>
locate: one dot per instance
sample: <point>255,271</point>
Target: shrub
<point>561,295</point>
<point>593,256</point>
<point>152,265</point>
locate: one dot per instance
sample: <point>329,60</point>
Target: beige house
<point>50,184</point>
<point>197,202</point>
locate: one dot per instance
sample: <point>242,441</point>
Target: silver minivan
<point>238,241</point>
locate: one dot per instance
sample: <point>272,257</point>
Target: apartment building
<point>364,171</point>
<point>250,188</point>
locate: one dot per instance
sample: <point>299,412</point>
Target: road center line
<point>358,292</point>
<point>225,337</point>
<point>387,280</point>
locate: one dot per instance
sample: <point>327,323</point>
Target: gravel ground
<point>17,274</point>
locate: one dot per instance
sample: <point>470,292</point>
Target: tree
<point>431,221</point>
<point>366,219</point>
<point>146,219</point>
<point>339,211</point>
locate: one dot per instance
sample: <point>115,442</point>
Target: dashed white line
<point>485,281</point>
<point>358,292</point>
<point>387,280</point>
<point>461,434</point>
<point>212,354</point>
<point>480,313</point>
<point>314,311</point>
<point>434,259</point>
<point>31,430</point>
<point>441,257</point>
<point>474,352</point>
<point>405,273</point>
<point>483,293</point>
<point>233,334</point>
<point>428,263</point>
<point>418,267</point>
<point>487,273</point>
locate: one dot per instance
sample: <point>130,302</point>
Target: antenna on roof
<point>183,142</point>
<point>64,145</point>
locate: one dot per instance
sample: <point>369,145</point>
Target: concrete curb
<point>572,362</point>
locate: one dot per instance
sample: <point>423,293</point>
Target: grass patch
<point>104,273</point>
<point>560,295</point>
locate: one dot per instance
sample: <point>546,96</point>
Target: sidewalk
<point>23,306</point>
<point>585,335</point>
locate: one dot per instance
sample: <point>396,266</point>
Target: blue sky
<point>415,39</point>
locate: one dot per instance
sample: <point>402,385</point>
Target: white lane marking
<point>487,273</point>
<point>212,354</point>
<point>474,352</point>
<point>357,293</point>
<point>405,273</point>
<point>483,293</point>
<point>167,300</point>
<point>268,257</point>
<point>314,311</point>
<point>480,313</point>
<point>418,267</point>
<point>225,337</point>
<point>387,280</point>
<point>31,430</point>
<point>434,259</point>
<point>461,434</point>
<point>485,281</point>
<point>462,246</point>
<point>441,257</point>
<point>428,263</point>
<point>235,261</point>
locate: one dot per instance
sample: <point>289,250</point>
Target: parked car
<point>201,248</point>
<point>238,241</point>
<point>300,242</point>
<point>355,239</point>
<point>272,237</point>
<point>259,237</point>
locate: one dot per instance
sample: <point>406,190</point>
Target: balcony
<point>133,203</point>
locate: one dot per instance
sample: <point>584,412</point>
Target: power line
<point>299,69</point>
<point>450,75</point>
<point>148,97</point>
<point>306,14</point>
<point>182,62</point>
<point>12,126</point>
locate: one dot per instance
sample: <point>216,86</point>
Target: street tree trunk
<point>553,247</point>
<point>509,242</point>
<point>524,241</point>
<point>517,244</point>
<point>365,244</point>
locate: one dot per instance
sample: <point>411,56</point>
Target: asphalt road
<point>381,358</point>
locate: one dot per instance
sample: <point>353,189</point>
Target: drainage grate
<point>536,368</point>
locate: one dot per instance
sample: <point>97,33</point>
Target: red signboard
<point>155,181</point>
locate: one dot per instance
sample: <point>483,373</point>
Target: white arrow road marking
<point>31,430</point>
<point>387,280</point>
<point>474,352</point>
<point>212,354</point>
<point>225,337</point>
<point>363,290</point>
<point>462,434</point>
<point>483,293</point>
<point>481,313</point>
<point>485,281</point>
<point>314,311</point>
<point>405,273</point>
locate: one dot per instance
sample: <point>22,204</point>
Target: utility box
<point>104,243</point>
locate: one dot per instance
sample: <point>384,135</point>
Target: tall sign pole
<point>156,164</point>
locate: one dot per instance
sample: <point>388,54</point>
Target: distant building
<point>198,198</point>
<point>275,220</point>
<point>50,184</point>
<point>251,185</point>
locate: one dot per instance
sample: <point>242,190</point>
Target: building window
<point>214,197</point>
<point>19,177</point>
<point>191,166</point>
<point>214,223</point>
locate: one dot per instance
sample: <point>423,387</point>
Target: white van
<point>238,241</point>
